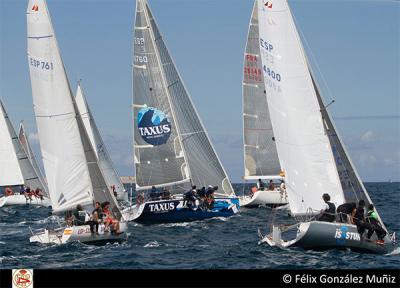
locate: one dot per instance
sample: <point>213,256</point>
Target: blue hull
<point>172,213</point>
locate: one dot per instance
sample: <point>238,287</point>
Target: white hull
<point>263,198</point>
<point>79,233</point>
<point>18,199</point>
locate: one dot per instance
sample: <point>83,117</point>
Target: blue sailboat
<point>172,151</point>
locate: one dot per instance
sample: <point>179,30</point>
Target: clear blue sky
<point>354,44</point>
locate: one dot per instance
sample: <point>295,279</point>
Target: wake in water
<point>152,244</point>
<point>182,224</point>
<point>396,251</point>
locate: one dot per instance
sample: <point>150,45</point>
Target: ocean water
<point>219,243</point>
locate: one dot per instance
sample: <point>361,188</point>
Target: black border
<point>197,278</point>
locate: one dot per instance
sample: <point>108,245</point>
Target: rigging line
<point>326,106</point>
<point>345,170</point>
<point>313,58</point>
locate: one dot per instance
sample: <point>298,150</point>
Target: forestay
<point>100,150</point>
<point>260,154</point>
<point>38,178</point>
<point>10,172</point>
<point>171,145</point>
<point>70,163</point>
<point>303,147</point>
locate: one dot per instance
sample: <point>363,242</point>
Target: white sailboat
<point>23,139</point>
<point>171,147</point>
<point>309,148</point>
<point>260,155</point>
<point>16,168</point>
<point>103,158</point>
<point>70,163</point>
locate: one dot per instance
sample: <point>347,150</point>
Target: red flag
<point>35,8</point>
<point>268,4</point>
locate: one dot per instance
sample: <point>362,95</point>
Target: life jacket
<point>372,217</point>
<point>330,213</point>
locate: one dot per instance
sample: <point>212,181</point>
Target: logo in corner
<point>153,126</point>
<point>22,278</point>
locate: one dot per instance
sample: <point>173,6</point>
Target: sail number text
<point>138,41</point>
<point>266,45</point>
<point>140,59</point>
<point>41,64</point>
<point>271,73</point>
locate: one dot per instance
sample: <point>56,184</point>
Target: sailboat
<point>23,139</point>
<point>103,158</point>
<point>172,150</point>
<point>260,155</point>
<point>73,173</point>
<point>310,150</point>
<point>16,168</point>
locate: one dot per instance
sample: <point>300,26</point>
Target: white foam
<point>396,251</point>
<point>152,244</point>
<point>182,224</point>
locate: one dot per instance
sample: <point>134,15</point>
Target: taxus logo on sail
<point>153,126</point>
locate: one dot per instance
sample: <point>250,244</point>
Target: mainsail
<point>10,172</point>
<point>171,145</point>
<point>303,146</point>
<point>260,154</point>
<point>23,139</point>
<point>103,158</point>
<point>70,164</point>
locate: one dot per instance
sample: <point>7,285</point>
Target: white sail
<point>303,147</point>
<point>10,172</point>
<point>103,158</point>
<point>38,177</point>
<point>260,154</point>
<point>171,145</point>
<point>60,141</point>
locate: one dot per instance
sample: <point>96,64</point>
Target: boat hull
<point>18,199</point>
<point>173,211</point>
<point>81,234</point>
<point>317,235</point>
<point>263,198</point>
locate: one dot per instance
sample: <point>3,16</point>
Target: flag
<point>35,8</point>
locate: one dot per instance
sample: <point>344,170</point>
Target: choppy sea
<point>219,243</point>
